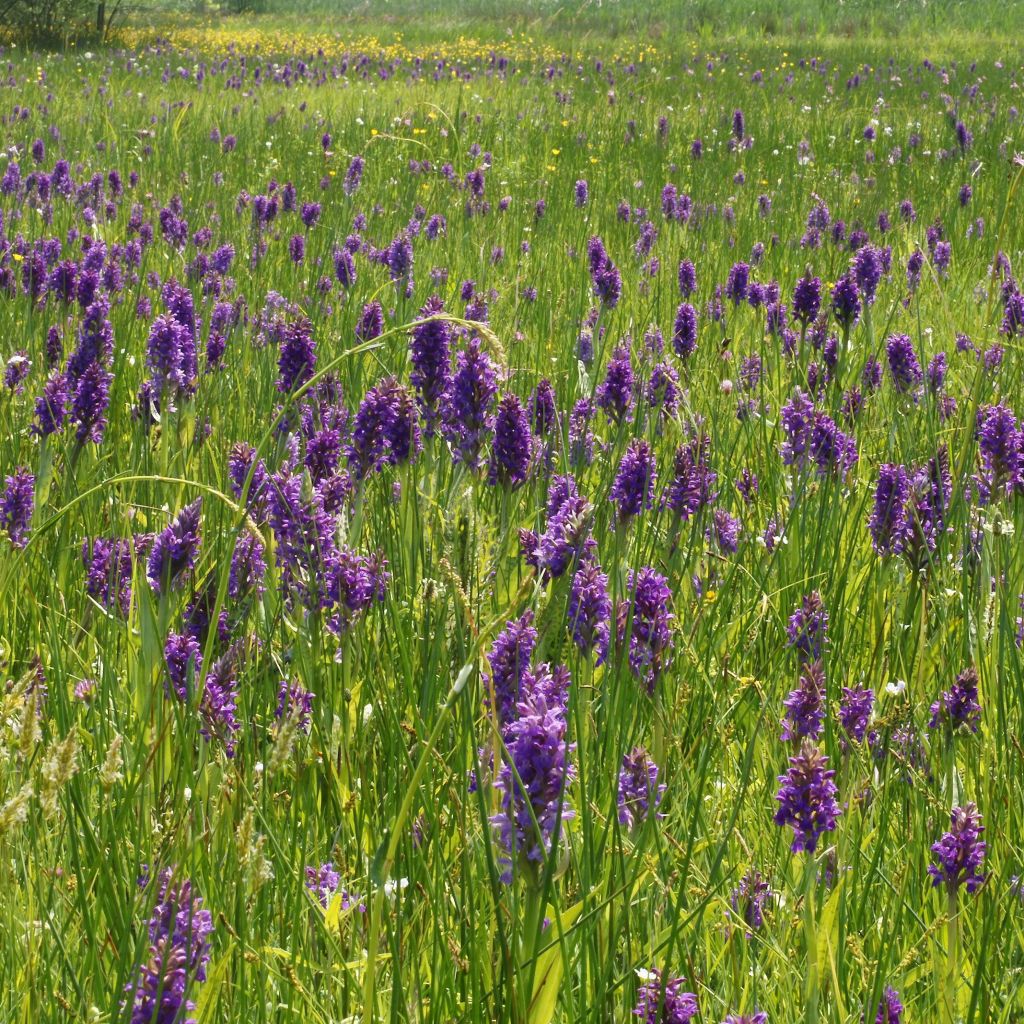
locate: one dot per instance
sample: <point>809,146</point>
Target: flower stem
<point>811,941</point>
<point>953,956</point>
<point>533,918</point>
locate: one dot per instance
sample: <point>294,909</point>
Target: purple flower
<point>16,505</point>
<point>369,448</point>
<point>175,548</point>
<point>693,482</point>
<point>581,438</point>
<point>293,701</point>
<point>684,331</point>
<point>871,375</point>
<point>399,259</point>
<point>855,712</point>
<point>797,422</point>
<point>512,448</point>
<point>661,1001</point>
<point>179,303</point>
<point>748,900</point>
<point>993,357</point>
<point>184,658</point>
<point>566,537</point>
<point>323,883</point>
<point>90,402</point>
<point>604,275</point>
<point>54,348</point>
<point>832,450</point>
<point>960,853</point>
<point>909,512</point>
<point>323,454</point>
<point>758,1017</point>
<point>687,278</point>
<point>108,571</point>
<point>723,532</point>
<point>222,258</point>
<point>615,393</point>
<point>509,658</point>
<point>1002,454</point>
<point>304,535</point>
<point>647,616</point>
<point>937,371</point>
<point>543,410</point>
<point>1013,314</point>
<point>814,436</point>
<point>806,298</point>
<point>747,486</point>
<point>354,175</point>
<point>345,267</point>
<point>958,706</point>
<point>807,798</point>
<point>589,609</point>
<point>915,264</point>
<point>371,322</point>
<point>808,628</point>
<point>867,269</point>
<point>179,951</point>
<point>581,193</point>
<point>903,364</point>
<point>310,213</point>
<point>533,796</point>
<point>772,534</point>
<point>633,487</point>
<point>890,1009</point>
<point>167,353</point>
<point>248,567</point>
<point>805,706</point>
<point>17,369</point>
<point>639,791</point>
<point>219,702</point>
<point>402,429</point>
<point>353,583</point>
<point>430,351</point>
<point>561,489</point>
<point>298,356</point>
<point>737,282</point>
<point>846,302</point>
<point>240,463</point>
<point>468,421</point>
<point>662,392</point>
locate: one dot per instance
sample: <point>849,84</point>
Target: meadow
<point>511,525</point>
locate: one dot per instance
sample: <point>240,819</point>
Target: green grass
<point>399,723</point>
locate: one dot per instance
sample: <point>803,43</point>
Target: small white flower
<point>393,886</point>
<point>896,687</point>
<point>367,713</point>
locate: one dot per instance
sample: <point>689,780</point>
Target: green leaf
<point>550,968</point>
<point>207,997</point>
<point>828,940</point>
